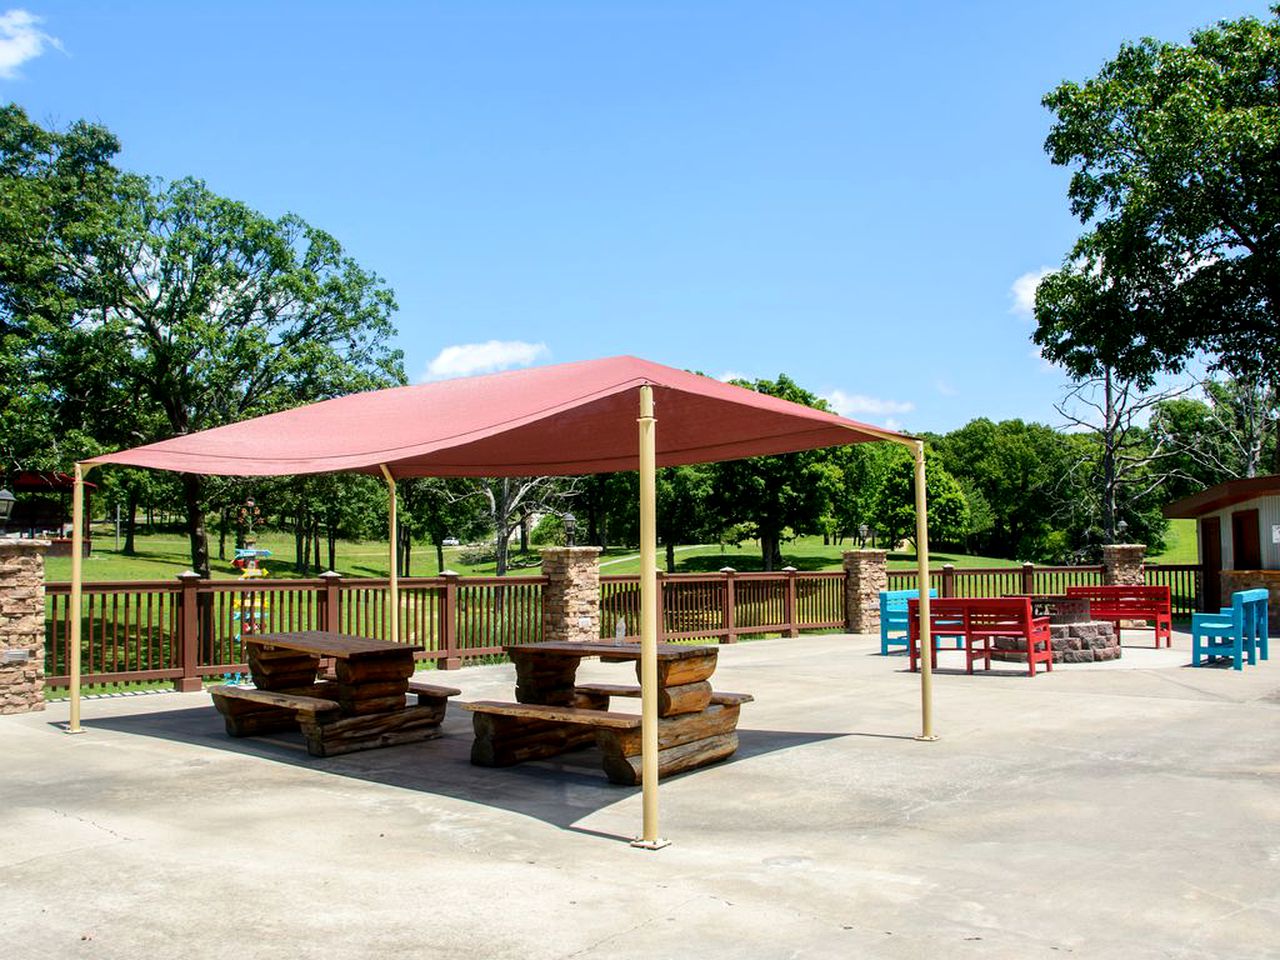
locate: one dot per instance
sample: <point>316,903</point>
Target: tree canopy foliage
<point>137,310</point>
<point>1175,153</point>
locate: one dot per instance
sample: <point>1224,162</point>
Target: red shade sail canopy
<point>565,419</point>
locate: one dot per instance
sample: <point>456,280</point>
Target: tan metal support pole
<point>77,590</point>
<point>393,588</point>
<point>922,573</point>
<point>649,839</point>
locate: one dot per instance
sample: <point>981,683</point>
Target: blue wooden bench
<point>894,625</point>
<point>1237,631</point>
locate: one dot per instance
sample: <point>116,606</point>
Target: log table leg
<point>504,741</point>
<point>684,742</point>
<point>547,680</point>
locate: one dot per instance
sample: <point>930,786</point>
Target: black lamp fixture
<point>863,532</point>
<point>7,500</point>
<point>570,528</point>
<point>1122,528</point>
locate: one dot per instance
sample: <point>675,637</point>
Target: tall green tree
<point>1013,469</point>
<point>896,509</point>
<point>779,493</point>
<point>1175,153</point>
<point>179,309</point>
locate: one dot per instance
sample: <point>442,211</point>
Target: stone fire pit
<point>1075,638</point>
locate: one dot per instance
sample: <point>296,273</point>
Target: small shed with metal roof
<point>1238,523</point>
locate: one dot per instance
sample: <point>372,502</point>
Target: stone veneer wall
<point>1122,564</point>
<point>866,574</point>
<point>22,625</point>
<point>571,597</point>
<point>1269,580</point>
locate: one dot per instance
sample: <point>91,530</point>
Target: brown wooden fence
<point>187,629</point>
<point>726,606</point>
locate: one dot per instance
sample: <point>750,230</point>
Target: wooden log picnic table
<point>360,706</point>
<point>554,713</point>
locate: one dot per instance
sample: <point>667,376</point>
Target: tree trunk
<point>192,492</point>
<point>671,557</point>
<point>131,521</point>
<point>333,546</point>
<point>1109,459</point>
<point>315,540</point>
<point>439,557</point>
<point>524,534</point>
<point>222,533</point>
<point>299,545</point>
<point>770,551</point>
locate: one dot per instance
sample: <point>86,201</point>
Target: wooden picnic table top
<point>326,644</point>
<point>607,649</point>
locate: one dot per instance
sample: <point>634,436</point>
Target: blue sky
<point>844,192</point>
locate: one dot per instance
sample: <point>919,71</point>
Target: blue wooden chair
<point>1237,631</point>
<point>894,628</point>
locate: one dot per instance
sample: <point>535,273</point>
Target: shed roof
<point>1223,495</point>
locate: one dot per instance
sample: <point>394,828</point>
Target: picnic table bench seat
<point>981,620</point>
<point>1150,603</point>
<point>328,720</point>
<point>510,733</point>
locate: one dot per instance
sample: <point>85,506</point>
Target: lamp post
<point>1122,528</point>
<point>570,528</point>
<point>7,500</point>
<point>863,531</point>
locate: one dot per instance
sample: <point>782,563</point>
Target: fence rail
<point>726,606</point>
<point>187,629</point>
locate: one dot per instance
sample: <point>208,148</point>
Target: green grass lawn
<point>164,555</point>
<point>1180,544</point>
<point>161,556</point>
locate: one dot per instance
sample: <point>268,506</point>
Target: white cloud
<point>21,40</point>
<point>892,423</point>
<point>1045,365</point>
<point>465,359</point>
<point>853,404</point>
<point>732,375</point>
<point>944,388</point>
<point>1023,291</point>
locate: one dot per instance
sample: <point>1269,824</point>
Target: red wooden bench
<point>1152,604</point>
<point>982,620</point>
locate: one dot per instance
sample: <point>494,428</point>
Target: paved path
<point>1124,811</point>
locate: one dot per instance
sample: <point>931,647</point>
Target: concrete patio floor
<point>1126,810</point>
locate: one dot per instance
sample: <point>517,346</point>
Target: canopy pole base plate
<point>656,844</point>
<point>931,738</point>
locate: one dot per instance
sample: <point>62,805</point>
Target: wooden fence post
<point>730,606</point>
<point>790,609</point>
<point>1028,577</point>
<point>452,660</point>
<point>330,619</point>
<point>948,580</point>
<point>188,639</point>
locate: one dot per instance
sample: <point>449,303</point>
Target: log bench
<point>509,733</point>
<point>328,729</point>
<point>357,703</point>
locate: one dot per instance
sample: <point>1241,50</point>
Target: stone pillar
<point>22,625</point>
<point>571,596</point>
<point>1122,564</point>
<point>865,575</point>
